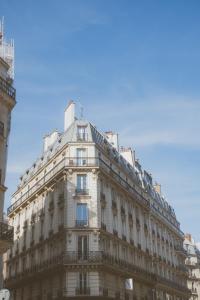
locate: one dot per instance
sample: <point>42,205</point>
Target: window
<point>114,221</point>
<point>81,157</point>
<point>124,227</point>
<point>82,247</point>
<point>81,133</point>
<point>23,263</point>
<point>1,129</point>
<point>103,214</point>
<point>24,238</point>
<point>81,214</point>
<point>83,286</point>
<point>41,227</point>
<point>81,184</point>
<point>32,233</point>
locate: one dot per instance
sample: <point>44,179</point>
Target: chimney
<point>113,139</point>
<point>128,154</point>
<point>50,139</point>
<point>69,115</point>
<point>188,236</point>
<point>157,188</point>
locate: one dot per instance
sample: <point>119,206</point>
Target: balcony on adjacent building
<point>7,88</point>
<point>6,236</point>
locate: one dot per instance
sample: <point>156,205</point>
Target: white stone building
<point>193,264</point>
<point>89,224</point>
<point>7,102</point>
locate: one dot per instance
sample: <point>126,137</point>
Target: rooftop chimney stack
<point>113,139</point>
<point>50,139</point>
<point>128,154</point>
<point>188,236</point>
<point>157,188</point>
<point>69,115</point>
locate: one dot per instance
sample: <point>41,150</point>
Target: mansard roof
<point>140,176</point>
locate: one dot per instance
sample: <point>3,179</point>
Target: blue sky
<point>135,68</point>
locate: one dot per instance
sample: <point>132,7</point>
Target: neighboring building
<point>7,102</point>
<point>89,224</point>
<point>193,264</point>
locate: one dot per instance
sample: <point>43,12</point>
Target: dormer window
<point>81,133</point>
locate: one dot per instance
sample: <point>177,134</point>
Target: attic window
<point>34,165</point>
<point>59,141</point>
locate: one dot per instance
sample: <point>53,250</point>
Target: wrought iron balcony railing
<point>83,291</point>
<point>90,258</point>
<point>6,232</point>
<point>81,223</point>
<point>49,176</point>
<point>82,191</point>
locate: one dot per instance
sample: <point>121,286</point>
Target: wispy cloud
<point>163,120</point>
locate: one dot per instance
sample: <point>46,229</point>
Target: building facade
<point>193,264</point>
<point>7,102</point>
<point>90,224</point>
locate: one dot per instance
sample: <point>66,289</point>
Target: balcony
<point>69,162</point>
<point>91,259</point>
<point>6,236</point>
<point>82,137</point>
<point>84,291</point>
<point>82,192</point>
<point>81,223</point>
<point>55,173</point>
<point>7,88</point>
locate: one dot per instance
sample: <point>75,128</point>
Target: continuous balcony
<point>7,88</point>
<point>50,176</point>
<point>92,259</point>
<point>74,162</point>
<point>6,236</point>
